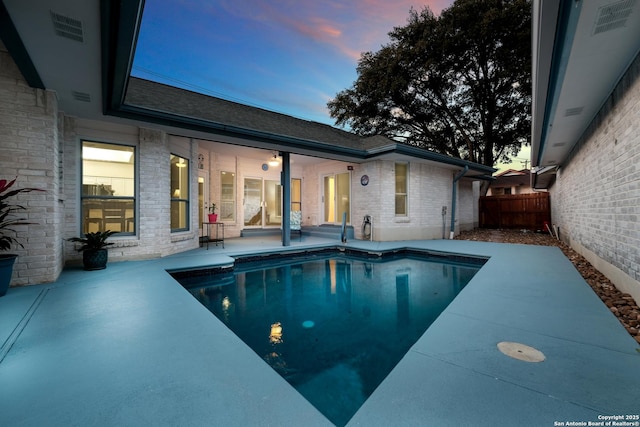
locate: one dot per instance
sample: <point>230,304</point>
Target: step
<point>328,231</point>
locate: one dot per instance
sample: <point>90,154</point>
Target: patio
<point>129,346</point>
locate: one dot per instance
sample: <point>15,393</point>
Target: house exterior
<point>586,129</point>
<point>147,160</point>
<point>511,182</point>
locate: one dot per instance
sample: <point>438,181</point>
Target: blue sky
<point>289,56</point>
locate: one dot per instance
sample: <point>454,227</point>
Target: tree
<point>458,84</point>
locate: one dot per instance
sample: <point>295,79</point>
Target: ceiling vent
<point>67,27</point>
<point>81,96</point>
<point>613,16</point>
<point>573,111</point>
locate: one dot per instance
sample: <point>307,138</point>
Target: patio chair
<point>296,223</point>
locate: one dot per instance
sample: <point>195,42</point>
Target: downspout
<point>456,178</point>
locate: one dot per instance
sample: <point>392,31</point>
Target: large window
<point>179,193</point>
<point>108,188</point>
<point>402,175</point>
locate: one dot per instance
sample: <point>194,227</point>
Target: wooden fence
<point>519,211</point>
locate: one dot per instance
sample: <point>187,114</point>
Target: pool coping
<point>454,374</point>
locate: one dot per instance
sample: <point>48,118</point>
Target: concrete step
<point>328,231</point>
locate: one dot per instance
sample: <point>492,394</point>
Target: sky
<point>288,56</point>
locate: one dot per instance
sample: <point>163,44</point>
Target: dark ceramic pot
<point>6,271</point>
<point>95,259</point>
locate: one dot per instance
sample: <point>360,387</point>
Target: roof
<point>510,172</point>
<point>512,178</point>
<point>156,97</point>
<point>151,101</point>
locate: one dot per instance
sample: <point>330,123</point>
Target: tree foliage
<point>458,84</point>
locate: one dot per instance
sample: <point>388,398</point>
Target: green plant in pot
<point>94,249</point>
<point>8,236</point>
<point>213,216</point>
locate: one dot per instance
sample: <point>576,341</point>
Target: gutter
<point>424,154</point>
<point>456,178</point>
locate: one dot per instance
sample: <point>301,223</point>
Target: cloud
<point>318,28</point>
<point>349,27</point>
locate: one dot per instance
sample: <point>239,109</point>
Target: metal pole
<point>285,181</point>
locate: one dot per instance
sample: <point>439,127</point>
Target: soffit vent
<point>81,96</point>
<point>613,16</point>
<point>573,111</point>
<point>559,144</point>
<point>67,27</point>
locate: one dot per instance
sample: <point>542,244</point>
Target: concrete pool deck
<point>128,346</point>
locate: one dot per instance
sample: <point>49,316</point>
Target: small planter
<point>213,217</point>
<point>94,249</point>
<point>95,259</point>
<point>6,271</point>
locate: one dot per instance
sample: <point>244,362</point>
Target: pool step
<point>327,231</point>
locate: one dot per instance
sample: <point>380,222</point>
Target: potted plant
<point>7,233</point>
<point>94,252</point>
<point>213,216</point>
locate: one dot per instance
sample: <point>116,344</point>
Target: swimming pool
<point>335,325</point>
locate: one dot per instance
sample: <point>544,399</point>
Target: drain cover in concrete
<point>521,351</point>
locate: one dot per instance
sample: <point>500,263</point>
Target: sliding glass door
<point>262,203</point>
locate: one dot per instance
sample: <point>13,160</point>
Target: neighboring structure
<point>586,129</point>
<point>146,159</point>
<point>511,182</point>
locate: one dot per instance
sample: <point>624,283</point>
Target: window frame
<point>297,203</point>
<point>226,202</point>
<point>101,198</point>
<point>403,195</point>
<point>183,201</point>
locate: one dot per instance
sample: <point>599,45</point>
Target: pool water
<point>333,327</point>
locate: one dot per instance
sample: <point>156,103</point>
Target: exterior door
<point>336,198</point>
<point>203,197</point>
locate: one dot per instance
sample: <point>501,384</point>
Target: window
<point>227,196</point>
<point>296,194</point>
<point>108,188</point>
<point>179,193</point>
<point>402,170</point>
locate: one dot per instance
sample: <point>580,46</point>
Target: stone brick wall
<point>153,149</point>
<point>596,197</point>
<point>430,188</point>
<point>30,151</point>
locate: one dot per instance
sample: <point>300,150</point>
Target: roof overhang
<point>543,178</point>
<point>581,49</point>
